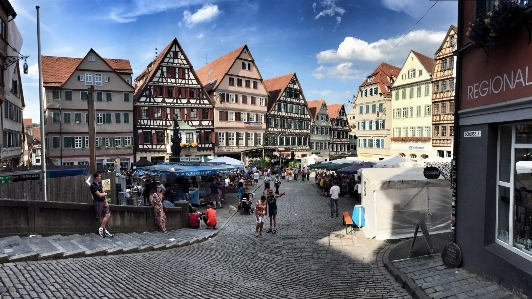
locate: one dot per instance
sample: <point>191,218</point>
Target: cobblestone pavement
<point>309,257</point>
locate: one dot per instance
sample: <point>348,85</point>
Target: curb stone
<point>30,256</point>
<point>50,255</point>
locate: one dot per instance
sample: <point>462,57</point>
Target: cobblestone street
<point>309,257</point>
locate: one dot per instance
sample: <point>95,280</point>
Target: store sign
<point>184,159</point>
<point>451,255</point>
<point>25,177</point>
<point>431,173</point>
<point>472,134</point>
<point>499,83</point>
<point>195,159</point>
<point>252,124</point>
<point>416,147</point>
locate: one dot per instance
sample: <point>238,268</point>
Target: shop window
<point>514,192</point>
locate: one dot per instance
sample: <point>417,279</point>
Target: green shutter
<point>107,118</point>
<point>99,96</point>
<point>83,142</point>
<point>126,118</point>
<point>117,118</point>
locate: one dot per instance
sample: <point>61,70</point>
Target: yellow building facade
<point>411,109</point>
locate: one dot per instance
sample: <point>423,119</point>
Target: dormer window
<point>411,74</point>
<point>91,58</point>
<point>246,66</point>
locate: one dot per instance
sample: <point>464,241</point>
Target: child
<point>194,219</point>
<point>261,209</point>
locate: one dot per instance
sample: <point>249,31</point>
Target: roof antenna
<point>155,52</point>
<point>206,59</point>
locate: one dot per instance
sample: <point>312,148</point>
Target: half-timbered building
<point>235,84</point>
<point>340,130</point>
<point>320,127</point>
<point>374,107</point>
<point>443,95</point>
<point>169,89</point>
<point>66,82</point>
<point>288,118</point>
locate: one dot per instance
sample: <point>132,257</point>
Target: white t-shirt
<point>335,191</point>
<point>256,176</point>
<point>226,181</point>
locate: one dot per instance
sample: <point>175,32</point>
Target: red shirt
<point>193,220</point>
<point>211,217</point>
<point>260,208</point>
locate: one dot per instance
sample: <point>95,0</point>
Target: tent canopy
<point>335,167</point>
<point>394,162</point>
<point>188,169</point>
<point>400,178</point>
<point>228,160</point>
<point>320,165</point>
<point>354,168</point>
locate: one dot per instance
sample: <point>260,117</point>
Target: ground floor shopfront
<point>494,193</point>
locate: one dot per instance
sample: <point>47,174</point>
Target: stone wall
<point>23,217</point>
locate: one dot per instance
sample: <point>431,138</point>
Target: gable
<point>414,69</point>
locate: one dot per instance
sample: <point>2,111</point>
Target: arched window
<point>402,155</point>
<point>424,156</point>
<point>413,156</point>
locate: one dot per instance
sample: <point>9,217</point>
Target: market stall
<point>395,199</point>
<point>198,188</point>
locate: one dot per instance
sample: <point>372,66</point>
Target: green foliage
<point>265,162</point>
<point>293,164</point>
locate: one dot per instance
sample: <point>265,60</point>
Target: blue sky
<point>331,44</point>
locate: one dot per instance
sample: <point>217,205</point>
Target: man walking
<point>272,209</point>
<point>215,196</point>
<point>101,206</point>
<point>335,192</point>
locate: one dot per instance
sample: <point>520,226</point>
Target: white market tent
<point>395,162</point>
<point>395,199</point>
<point>229,161</point>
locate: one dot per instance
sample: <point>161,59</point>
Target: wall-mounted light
<point>25,67</point>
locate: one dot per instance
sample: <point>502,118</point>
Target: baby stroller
<point>246,204</point>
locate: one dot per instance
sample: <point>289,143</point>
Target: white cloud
<point>147,7</point>
<point>355,58</point>
<point>200,35</point>
<point>439,14</point>
<point>33,71</point>
<point>352,48</point>
<point>343,71</point>
<point>329,9</point>
<point>205,14</point>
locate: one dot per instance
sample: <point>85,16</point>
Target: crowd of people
<point>161,195</point>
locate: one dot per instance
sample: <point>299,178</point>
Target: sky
<point>331,45</point>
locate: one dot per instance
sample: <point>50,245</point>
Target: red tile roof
<point>276,86</point>
<point>213,73</point>
<point>334,109</point>
<point>56,70</point>
<point>150,70</point>
<point>385,75</point>
<point>27,122</point>
<point>427,62</point>
<point>314,108</point>
<point>36,133</point>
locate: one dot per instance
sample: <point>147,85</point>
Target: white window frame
<point>418,131</point>
<point>100,118</point>
<point>118,141</point>
<point>262,101</point>
<point>221,138</point>
<point>88,78</point>
<point>241,139</point>
<point>106,79</point>
<point>260,118</point>
<point>259,137</point>
<point>231,139</point>
<point>426,131</point>
<point>98,79</point>
<point>410,131</point>
<point>127,140</point>
<point>251,117</point>
<point>87,142</point>
<point>243,116</point>
<point>78,142</point>
<point>231,116</point>
<point>251,139</point>
<point>411,74</point>
<point>232,98</point>
<point>427,110</point>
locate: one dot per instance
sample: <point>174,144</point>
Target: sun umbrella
<point>335,166</point>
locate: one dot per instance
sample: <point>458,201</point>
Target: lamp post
<point>41,106</point>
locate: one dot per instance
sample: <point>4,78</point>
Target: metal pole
<point>92,130</point>
<point>41,105</point>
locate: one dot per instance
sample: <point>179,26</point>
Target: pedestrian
<point>303,175</point>
<point>277,184</point>
<point>215,193</point>
<point>272,209</point>
<point>290,175</point>
<point>266,183</point>
<point>308,174</point>
<point>194,219</point>
<point>146,191</point>
<point>335,192</point>
<point>101,206</point>
<point>260,213</point>
<point>256,176</point>
<point>156,200</point>
<point>210,217</point>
